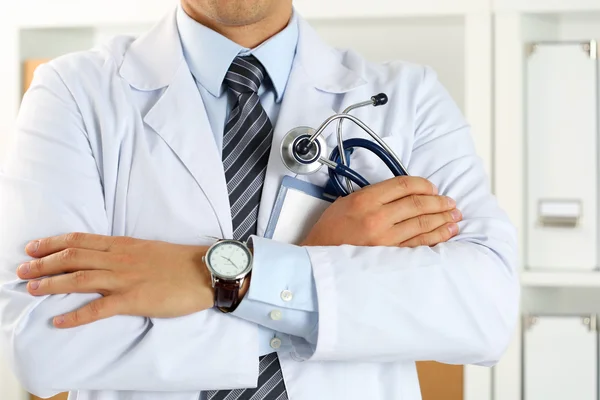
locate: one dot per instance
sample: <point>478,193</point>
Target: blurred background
<point>524,72</point>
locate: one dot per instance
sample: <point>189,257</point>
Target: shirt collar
<point>209,54</point>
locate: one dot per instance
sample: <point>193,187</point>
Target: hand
<point>135,277</point>
<point>403,211</point>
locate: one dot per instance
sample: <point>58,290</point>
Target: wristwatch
<point>229,263</point>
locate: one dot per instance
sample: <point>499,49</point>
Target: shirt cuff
<point>282,276</point>
<point>282,294</point>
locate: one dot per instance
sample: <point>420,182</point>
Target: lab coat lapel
<point>180,118</point>
<point>311,96</point>
<point>154,62</point>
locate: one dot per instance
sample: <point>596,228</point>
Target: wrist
<point>207,289</point>
<point>246,284</point>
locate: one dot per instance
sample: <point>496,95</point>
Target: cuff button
<point>286,295</point>
<point>276,315</point>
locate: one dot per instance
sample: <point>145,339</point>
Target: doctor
<point>128,158</point>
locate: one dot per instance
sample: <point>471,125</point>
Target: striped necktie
<point>246,145</point>
<point>246,148</point>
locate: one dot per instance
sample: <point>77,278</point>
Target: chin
<point>238,12</point>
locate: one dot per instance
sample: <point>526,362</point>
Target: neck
<point>250,35</point>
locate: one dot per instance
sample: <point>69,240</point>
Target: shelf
<point>560,279</point>
<point>88,13</point>
<point>545,6</point>
<point>388,8</point>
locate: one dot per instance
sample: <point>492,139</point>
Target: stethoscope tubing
<point>344,171</point>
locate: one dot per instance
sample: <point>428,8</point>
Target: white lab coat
<point>115,141</point>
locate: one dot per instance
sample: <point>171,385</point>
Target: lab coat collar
<point>323,65</point>
<point>152,61</point>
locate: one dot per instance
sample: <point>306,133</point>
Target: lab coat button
<point>275,315</point>
<point>286,295</point>
<point>275,343</point>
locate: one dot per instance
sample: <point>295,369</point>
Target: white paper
<point>299,213</point>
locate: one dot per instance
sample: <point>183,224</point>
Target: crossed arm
<point>164,280</point>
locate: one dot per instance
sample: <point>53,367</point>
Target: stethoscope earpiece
<point>380,99</point>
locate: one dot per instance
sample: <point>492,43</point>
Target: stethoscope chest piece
<point>301,159</point>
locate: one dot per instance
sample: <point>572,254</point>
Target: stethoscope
<point>303,149</point>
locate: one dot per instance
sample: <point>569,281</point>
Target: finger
<point>440,235</point>
<point>422,224</point>
<point>399,187</point>
<point>102,308</point>
<point>69,260</point>
<point>76,282</point>
<point>76,240</point>
<point>415,205</point>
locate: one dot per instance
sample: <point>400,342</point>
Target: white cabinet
<point>557,275</point>
<point>562,155</point>
<point>560,358</point>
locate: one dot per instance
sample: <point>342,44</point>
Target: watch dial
<point>229,259</point>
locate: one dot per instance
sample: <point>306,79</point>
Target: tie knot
<point>245,75</point>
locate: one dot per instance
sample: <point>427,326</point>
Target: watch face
<point>229,259</point>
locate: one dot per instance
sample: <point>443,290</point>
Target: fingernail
<point>451,203</point>
<point>32,247</point>
<point>34,285</point>
<point>456,215</point>
<point>59,320</point>
<point>435,189</point>
<point>24,269</point>
<point>453,229</point>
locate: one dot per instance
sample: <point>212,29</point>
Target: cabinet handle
<point>554,213</point>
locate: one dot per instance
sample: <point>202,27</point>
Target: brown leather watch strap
<point>227,295</point>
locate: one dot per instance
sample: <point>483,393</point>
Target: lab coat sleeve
<point>455,303</point>
<point>51,185</point>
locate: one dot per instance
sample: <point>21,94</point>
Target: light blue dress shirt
<point>209,55</point>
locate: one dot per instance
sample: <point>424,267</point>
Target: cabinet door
<point>562,157</point>
<point>440,381</point>
<point>560,356</point>
<point>59,397</point>
<point>29,68</point>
